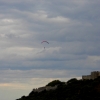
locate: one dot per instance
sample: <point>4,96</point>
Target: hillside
<point>71,90</point>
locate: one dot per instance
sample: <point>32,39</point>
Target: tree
<point>53,83</point>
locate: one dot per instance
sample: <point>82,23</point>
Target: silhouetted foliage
<point>73,80</point>
<point>73,90</point>
<point>55,82</point>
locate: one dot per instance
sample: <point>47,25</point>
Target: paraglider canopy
<point>45,41</point>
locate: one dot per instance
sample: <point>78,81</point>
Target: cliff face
<point>73,90</point>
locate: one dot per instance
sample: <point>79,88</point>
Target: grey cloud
<point>70,26</point>
<point>9,76</point>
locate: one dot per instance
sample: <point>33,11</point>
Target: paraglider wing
<point>45,41</point>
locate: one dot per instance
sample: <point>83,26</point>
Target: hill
<point>71,90</point>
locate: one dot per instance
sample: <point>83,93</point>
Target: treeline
<point>71,90</point>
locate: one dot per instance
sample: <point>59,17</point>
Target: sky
<point>72,28</point>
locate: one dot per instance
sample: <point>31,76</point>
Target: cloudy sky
<point>72,28</point>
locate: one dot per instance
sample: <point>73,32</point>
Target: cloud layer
<point>70,26</point>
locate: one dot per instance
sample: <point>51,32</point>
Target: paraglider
<point>45,42</point>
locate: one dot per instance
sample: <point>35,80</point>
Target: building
<point>93,75</point>
<point>47,88</point>
<point>86,77</point>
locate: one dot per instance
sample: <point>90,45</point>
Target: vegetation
<point>55,82</point>
<point>71,90</point>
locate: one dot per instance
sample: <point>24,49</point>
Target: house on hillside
<point>93,75</point>
<point>47,88</point>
